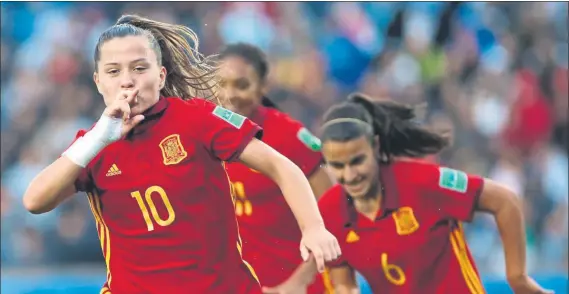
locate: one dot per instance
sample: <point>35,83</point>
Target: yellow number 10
<point>148,197</point>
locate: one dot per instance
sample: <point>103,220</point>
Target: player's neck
<point>370,204</point>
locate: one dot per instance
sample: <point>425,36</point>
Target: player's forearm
<point>509,219</point>
<point>51,186</point>
<point>298,193</point>
<point>305,272</point>
<point>346,289</point>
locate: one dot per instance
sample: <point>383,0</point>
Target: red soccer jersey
<point>162,202</point>
<point>267,226</point>
<point>416,244</point>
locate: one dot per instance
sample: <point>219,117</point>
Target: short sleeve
<point>225,134</point>
<point>330,210</point>
<point>303,148</point>
<point>453,193</point>
<point>83,183</point>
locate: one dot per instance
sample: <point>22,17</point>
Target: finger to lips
<point>132,95</point>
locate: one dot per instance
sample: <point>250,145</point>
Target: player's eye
<point>139,69</point>
<point>358,160</point>
<point>336,165</point>
<point>242,84</point>
<point>113,71</point>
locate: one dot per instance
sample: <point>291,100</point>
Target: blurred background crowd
<point>495,74</point>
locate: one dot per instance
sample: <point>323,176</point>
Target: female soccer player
<point>266,224</point>
<point>399,221</point>
<point>153,169</point>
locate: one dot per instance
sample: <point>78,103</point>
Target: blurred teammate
<point>153,170</point>
<point>399,221</point>
<point>267,226</point>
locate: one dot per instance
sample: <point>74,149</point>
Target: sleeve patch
<point>308,139</point>
<point>229,116</point>
<point>452,179</point>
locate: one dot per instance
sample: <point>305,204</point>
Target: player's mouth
<point>355,187</point>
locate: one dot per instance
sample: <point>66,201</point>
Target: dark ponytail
<point>394,123</point>
<point>190,74</point>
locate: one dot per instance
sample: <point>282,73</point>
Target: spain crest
<point>172,150</point>
<point>405,221</point>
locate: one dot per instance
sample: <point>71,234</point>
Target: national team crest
<point>405,221</point>
<point>172,150</point>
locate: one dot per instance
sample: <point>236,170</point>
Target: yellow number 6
<point>399,278</point>
<point>148,197</point>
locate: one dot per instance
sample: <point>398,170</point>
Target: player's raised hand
<point>321,243</point>
<point>119,111</point>
<point>526,285</point>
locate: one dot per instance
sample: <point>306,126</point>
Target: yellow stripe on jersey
<point>103,230</point>
<point>459,248</point>
<point>246,263</point>
<point>105,290</point>
<point>232,195</point>
<point>328,288</point>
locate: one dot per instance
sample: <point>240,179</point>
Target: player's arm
<point>52,186</point>
<point>298,194</point>
<point>56,182</point>
<point>303,148</point>
<point>458,195</point>
<point>344,280</point>
<point>230,136</point>
<point>506,208</point>
<point>289,177</point>
<point>342,276</point>
<point>320,181</point>
<point>298,281</point>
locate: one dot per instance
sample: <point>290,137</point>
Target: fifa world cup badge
<point>172,150</point>
<point>405,221</point>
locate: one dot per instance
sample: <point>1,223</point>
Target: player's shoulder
<point>289,130</point>
<point>193,105</point>
<point>277,119</point>
<point>332,197</point>
<point>413,168</point>
<point>330,205</point>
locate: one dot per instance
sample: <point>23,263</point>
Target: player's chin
<point>358,191</point>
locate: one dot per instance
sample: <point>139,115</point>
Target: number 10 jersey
<point>163,206</point>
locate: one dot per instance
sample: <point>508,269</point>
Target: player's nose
<point>127,81</point>
<point>349,174</point>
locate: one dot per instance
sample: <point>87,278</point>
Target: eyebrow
<point>134,61</point>
<point>350,161</point>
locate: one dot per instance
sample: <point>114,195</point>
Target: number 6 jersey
<point>416,243</point>
<point>162,202</point>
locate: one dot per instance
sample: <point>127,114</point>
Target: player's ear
<point>97,82</point>
<point>163,73</point>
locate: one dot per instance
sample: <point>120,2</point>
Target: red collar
<point>390,201</point>
<point>151,115</point>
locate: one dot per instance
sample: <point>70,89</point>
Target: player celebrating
<point>266,224</point>
<point>153,170</point>
<point>399,220</point>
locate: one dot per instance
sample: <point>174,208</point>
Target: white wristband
<point>106,131</point>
